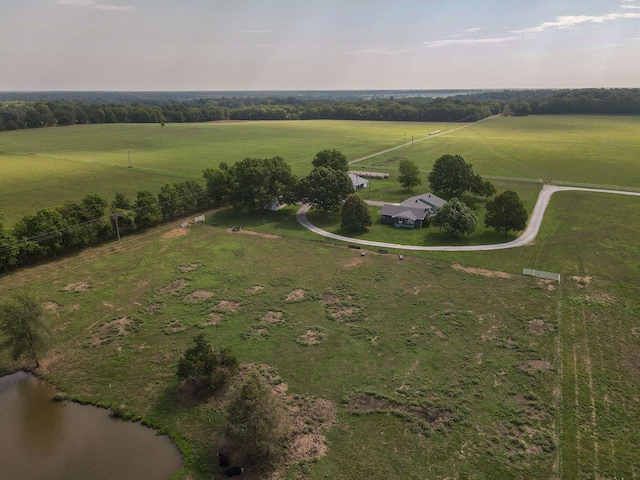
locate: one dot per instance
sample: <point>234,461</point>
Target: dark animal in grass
<point>233,471</point>
<point>223,461</point>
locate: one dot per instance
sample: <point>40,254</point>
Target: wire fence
<point>540,274</point>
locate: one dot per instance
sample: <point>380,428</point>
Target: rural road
<point>535,220</point>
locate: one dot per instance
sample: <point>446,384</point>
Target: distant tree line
<point>464,108</point>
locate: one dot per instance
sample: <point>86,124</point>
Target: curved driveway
<point>527,237</point>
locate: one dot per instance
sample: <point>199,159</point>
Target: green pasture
<point>46,167</point>
<point>522,378</point>
<point>469,369</point>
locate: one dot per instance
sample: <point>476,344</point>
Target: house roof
<point>426,199</point>
<point>414,213</point>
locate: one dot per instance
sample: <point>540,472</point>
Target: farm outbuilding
<point>359,183</point>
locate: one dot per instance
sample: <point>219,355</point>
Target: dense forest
<point>19,112</point>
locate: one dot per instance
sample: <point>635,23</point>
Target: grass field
<point>442,365</point>
<point>46,167</point>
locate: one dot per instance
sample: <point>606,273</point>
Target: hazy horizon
<point>286,45</point>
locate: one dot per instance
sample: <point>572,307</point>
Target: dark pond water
<point>43,439</point>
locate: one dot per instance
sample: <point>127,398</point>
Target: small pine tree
<point>355,214</point>
<point>257,423</point>
<point>208,366</point>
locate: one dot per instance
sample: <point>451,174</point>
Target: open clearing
<point>437,367</point>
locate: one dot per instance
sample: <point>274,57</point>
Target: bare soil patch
<point>535,365</point>
<point>601,298</point>
<point>51,307</point>
<point>113,329</point>
<point>255,289</point>
<point>228,306</point>
<point>174,326</point>
<point>214,318</point>
<point>154,308</point>
<point>631,360</point>
<point>273,318</point>
<point>339,312</point>
<point>481,271</point>
<point>77,287</point>
<point>363,402</point>
<point>176,232</point>
<point>311,336</point>
<point>329,298</point>
<point>583,281</point>
<point>190,267</point>
<point>539,327</point>
<point>199,296</point>
<point>353,262</point>
<point>295,295</point>
<point>251,232</point>
<point>174,286</point>
<point>490,334</point>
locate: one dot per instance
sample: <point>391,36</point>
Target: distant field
<point>69,162</point>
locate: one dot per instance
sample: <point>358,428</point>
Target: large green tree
<point>355,214</point>
<point>325,189</point>
<point>257,182</point>
<point>409,174</point>
<point>43,232</point>
<point>456,218</point>
<point>452,176</point>
<point>333,159</point>
<point>21,322</point>
<point>147,210</point>
<point>218,184</point>
<point>8,248</point>
<point>257,422</point>
<point>506,212</point>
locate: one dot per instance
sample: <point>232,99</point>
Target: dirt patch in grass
<point>601,298</point>
<point>490,334</point>
<point>174,326</point>
<point>339,312</point>
<point>582,281</point>
<point>329,298</point>
<point>255,289</point>
<point>77,287</point>
<point>363,402</point>
<point>214,318</point>
<point>312,336</point>
<point>353,262</point>
<point>174,286</point>
<point>228,306</point>
<point>539,327</point>
<point>295,295</point>
<point>273,318</point>
<point>176,232</point>
<point>631,360</point>
<point>199,296</point>
<point>550,284</point>
<point>190,267</point>
<point>154,308</point>
<point>51,307</point>
<point>535,366</point>
<point>251,232</point>
<point>113,329</point>
<point>481,271</point>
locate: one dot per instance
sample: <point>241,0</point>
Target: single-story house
<point>358,182</point>
<point>412,212</point>
<point>275,204</point>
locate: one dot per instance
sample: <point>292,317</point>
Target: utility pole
<point>129,155</point>
<point>115,216</point>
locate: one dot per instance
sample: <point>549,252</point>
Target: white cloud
<point>470,41</point>
<point>630,6</point>
<point>572,21</point>
<point>94,4</point>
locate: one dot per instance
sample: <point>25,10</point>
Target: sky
<point>186,45</point>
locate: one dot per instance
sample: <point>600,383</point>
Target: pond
<point>44,439</point>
